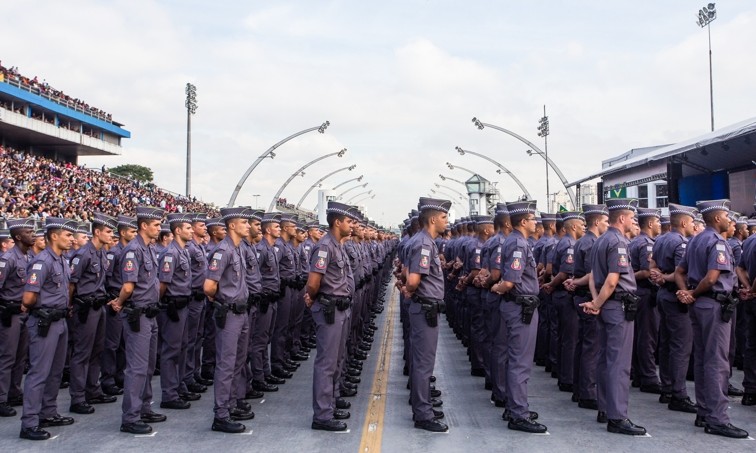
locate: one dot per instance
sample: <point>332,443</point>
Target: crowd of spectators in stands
<point>282,203</point>
<point>44,88</point>
<point>32,185</point>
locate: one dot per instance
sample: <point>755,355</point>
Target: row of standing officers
<point>233,302</point>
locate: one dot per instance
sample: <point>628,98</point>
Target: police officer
<point>615,306</point>
<point>192,381</point>
<point>279,353</point>
<point>518,316</point>
<point>46,299</point>
<point>113,360</point>
<point>253,279</point>
<point>675,329</point>
<point>707,269</point>
<point>474,296</point>
<point>262,380</point>
<point>562,269</point>
<point>138,304</point>
<point>328,296</point>
<point>647,319</point>
<point>545,354</point>
<point>747,275</point>
<point>425,288</point>
<point>216,231</point>
<point>226,287</point>
<point>175,276</point>
<point>586,350</point>
<point>88,295</point>
<point>13,343</point>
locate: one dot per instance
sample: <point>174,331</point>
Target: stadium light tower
<point>191,109</point>
<point>543,131</point>
<point>706,16</point>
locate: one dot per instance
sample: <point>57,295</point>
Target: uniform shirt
<point>423,259</point>
<point>748,257</point>
<point>139,266</point>
<point>227,268</point>
<point>737,248</point>
<point>306,251</point>
<point>472,252</point>
<point>13,266</point>
<point>268,261</point>
<point>355,260</point>
<point>176,270</point>
<point>490,254</point>
<point>113,281</point>
<point>610,256</point>
<point>518,265</point>
<point>88,269</point>
<point>252,267</point>
<point>583,248</point>
<point>48,275</point>
<point>209,249</point>
<point>198,263</point>
<point>669,250</point>
<point>541,248</point>
<point>329,259</point>
<point>564,256</point>
<point>286,266</point>
<point>708,251</point>
<point>641,253</point>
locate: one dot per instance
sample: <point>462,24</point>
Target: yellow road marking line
<point>372,430</point>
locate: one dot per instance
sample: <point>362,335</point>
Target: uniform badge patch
<point>213,265</point>
<point>424,262</point>
<point>516,264</point>
<point>320,263</point>
<point>498,259</point>
<point>128,266</point>
<point>721,258</point>
<point>622,260</point>
<point>33,279</point>
<point>569,259</point>
<point>477,259</point>
<point>166,266</point>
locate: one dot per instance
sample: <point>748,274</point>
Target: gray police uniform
<point>196,310</point>
<point>139,266</point>
<point>253,279</point>
<point>268,262</point>
<point>175,272</point>
<point>47,275</point>
<point>564,306</point>
<point>330,260</point>
<point>281,334</point>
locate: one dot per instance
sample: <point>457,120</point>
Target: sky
<point>399,82</point>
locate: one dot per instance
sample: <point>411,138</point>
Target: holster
<point>170,310</point>
<point>727,305</point>
<point>46,316</point>
<point>198,295</point>
<point>220,312</point>
<point>132,317</point>
<point>253,300</point>
<point>265,302</point>
<point>529,305</point>
<point>7,310</point>
<point>329,310</point>
<point>82,307</point>
<point>629,305</point>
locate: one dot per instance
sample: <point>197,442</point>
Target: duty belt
<point>49,314</point>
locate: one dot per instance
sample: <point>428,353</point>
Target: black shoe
<point>35,433</point>
<point>435,402</point>
<point>479,372</point>
<point>153,417</point>
<point>433,379</point>
<point>700,421</point>
<point>635,384</point>
<point>497,402</point>
<point>175,404</point>
<point>433,426</point>
<point>727,430</point>
<point>734,391</point>
<point>601,417</point>
<point>282,375</point>
<point>243,405</point>
<point>16,401</point>
<point>202,381</point>
<point>507,416</point>
<point>361,356</point>
<point>300,357</point>
<point>6,410</point>
<point>227,425</point>
<point>112,390</point>
<point>487,386</point>
<point>254,394</point>
<point>102,399</point>
<point>57,420</point>
<point>196,387</point>
<point>348,392</point>
<point>749,399</point>
<point>330,425</point>
<point>548,368</point>
<point>554,375</point>
<point>665,398</point>
<point>588,404</point>
<point>341,414</point>
<point>275,380</point>
<point>435,393</point>
<point>540,362</point>
<point>566,388</point>
<point>341,403</point>
<point>236,414</point>
<point>526,425</point>
<point>353,372</point>
<point>190,396</point>
<point>405,371</point>
<point>63,385</point>
<point>349,385</point>
<point>625,426</point>
<point>289,368</point>
<point>651,388</point>
<point>353,379</point>
<point>139,427</point>
<point>262,386</point>
<point>81,408</point>
<point>682,405</point>
<point>207,374</point>
<point>574,398</point>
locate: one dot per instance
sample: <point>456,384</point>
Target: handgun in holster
<point>45,318</point>
<point>630,305</point>
<point>265,303</point>
<point>82,307</point>
<point>220,312</point>
<point>132,317</point>
<point>253,300</point>
<point>329,310</point>
<point>431,313</point>
<point>529,306</point>
<point>7,310</point>
<point>727,305</point>
<point>170,309</point>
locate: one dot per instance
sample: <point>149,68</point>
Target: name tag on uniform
<point>168,259</point>
<point>622,251</point>
<point>477,250</point>
<point>217,256</point>
<point>649,248</point>
<point>2,264</point>
<point>109,256</point>
<point>130,255</point>
<point>322,254</point>
<point>570,251</point>
<point>517,254</point>
<point>425,252</point>
<point>37,267</point>
<point>721,247</point>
